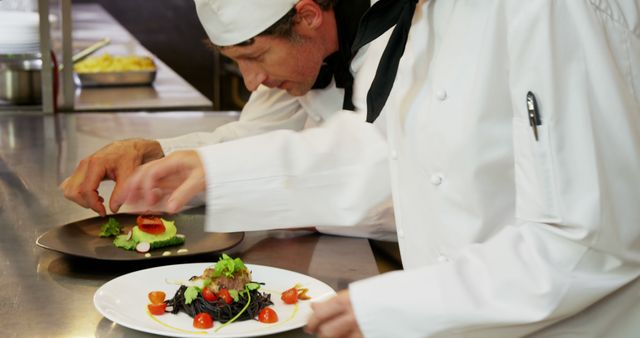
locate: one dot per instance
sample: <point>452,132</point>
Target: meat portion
<point>240,278</point>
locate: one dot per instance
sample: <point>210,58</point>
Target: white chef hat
<point>229,22</point>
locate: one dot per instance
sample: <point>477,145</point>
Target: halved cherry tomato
<point>203,320</point>
<point>267,315</point>
<point>150,224</point>
<point>224,294</point>
<point>157,309</point>
<point>290,296</point>
<point>156,297</point>
<point>208,295</point>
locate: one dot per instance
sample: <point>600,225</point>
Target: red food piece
<point>203,320</point>
<point>156,297</point>
<point>267,315</point>
<point>150,224</point>
<point>208,295</point>
<point>290,296</point>
<point>224,294</point>
<point>157,309</point>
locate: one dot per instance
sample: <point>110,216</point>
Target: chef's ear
<point>309,16</point>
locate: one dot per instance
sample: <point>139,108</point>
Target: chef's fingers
<point>96,171</point>
<point>156,174</point>
<point>76,189</point>
<point>124,172</point>
<point>69,186</point>
<point>131,190</point>
<point>194,184</point>
<point>343,325</point>
<point>323,312</point>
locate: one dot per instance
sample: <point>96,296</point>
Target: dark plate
<point>81,239</point>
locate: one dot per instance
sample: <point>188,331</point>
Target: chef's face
<point>291,64</point>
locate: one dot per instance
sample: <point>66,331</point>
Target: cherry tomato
<point>156,297</point>
<point>150,224</point>
<point>203,320</point>
<point>290,296</point>
<point>224,294</point>
<point>208,295</point>
<point>267,315</point>
<point>157,309</point>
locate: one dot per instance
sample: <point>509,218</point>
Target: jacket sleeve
<point>284,179</point>
<point>576,237</point>
<point>267,109</point>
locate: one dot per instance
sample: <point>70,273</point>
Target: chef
<point>510,140</point>
<point>279,99</point>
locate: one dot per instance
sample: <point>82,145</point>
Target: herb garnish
<point>111,228</point>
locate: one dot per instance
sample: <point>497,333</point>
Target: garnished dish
<point>226,299</point>
<point>225,293</point>
<point>150,232</point>
<point>82,238</point>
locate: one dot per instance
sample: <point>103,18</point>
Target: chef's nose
<point>252,75</point>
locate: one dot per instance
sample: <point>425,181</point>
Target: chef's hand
<point>166,184</point>
<point>116,162</point>
<point>334,318</point>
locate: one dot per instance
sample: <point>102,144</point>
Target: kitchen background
<point>170,30</point>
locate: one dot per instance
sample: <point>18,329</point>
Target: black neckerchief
<point>383,15</point>
<point>336,65</point>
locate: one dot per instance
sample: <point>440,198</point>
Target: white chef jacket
<point>274,109</point>
<point>501,235</point>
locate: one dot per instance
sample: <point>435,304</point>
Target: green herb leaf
<point>239,265</point>
<point>111,228</point>
<point>228,266</point>
<point>121,241</point>
<point>252,286</point>
<point>190,294</point>
<point>234,295</point>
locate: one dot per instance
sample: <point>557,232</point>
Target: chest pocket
<point>536,189</point>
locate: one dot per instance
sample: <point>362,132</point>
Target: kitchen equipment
<point>20,81</point>
<point>128,78</point>
<point>109,70</point>
<point>87,51</point>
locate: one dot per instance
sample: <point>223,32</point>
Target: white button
<point>400,232</point>
<point>441,95</point>
<point>393,154</point>
<point>436,179</point>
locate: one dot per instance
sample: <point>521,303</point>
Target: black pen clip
<point>534,114</point>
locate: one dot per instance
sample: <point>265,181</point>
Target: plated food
<point>211,303</point>
<point>224,292</point>
<point>82,238</point>
<point>149,233</point>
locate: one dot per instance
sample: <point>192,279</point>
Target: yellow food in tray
<point>108,63</point>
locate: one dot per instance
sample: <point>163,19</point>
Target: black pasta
<point>218,309</point>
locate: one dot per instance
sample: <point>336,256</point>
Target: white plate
<point>124,301</point>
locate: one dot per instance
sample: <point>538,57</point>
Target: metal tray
<point>103,79</point>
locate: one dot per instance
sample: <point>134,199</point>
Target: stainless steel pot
<point>20,81</point>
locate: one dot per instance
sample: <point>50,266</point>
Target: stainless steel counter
<point>47,294</point>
